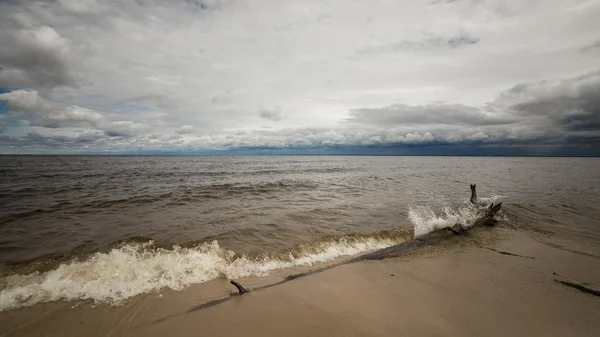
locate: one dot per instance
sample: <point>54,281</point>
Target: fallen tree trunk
<point>486,215</point>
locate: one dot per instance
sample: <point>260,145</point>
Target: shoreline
<point>504,284</point>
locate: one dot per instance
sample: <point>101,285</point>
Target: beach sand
<point>475,288</point>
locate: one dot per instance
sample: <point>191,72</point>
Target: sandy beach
<point>498,282</point>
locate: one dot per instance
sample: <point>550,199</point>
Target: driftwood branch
<point>486,216</point>
<point>239,287</point>
<point>473,193</point>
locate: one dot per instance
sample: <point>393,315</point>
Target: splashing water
<point>138,268</point>
<point>425,220</point>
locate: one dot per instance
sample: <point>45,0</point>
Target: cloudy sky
<point>277,76</point>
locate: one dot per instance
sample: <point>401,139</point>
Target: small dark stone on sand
<point>391,274</point>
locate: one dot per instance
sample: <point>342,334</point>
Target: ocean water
<point>107,228</point>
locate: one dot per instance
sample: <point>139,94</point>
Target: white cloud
<point>29,107</point>
<point>185,129</point>
<point>28,101</point>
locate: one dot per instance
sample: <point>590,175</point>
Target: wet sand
<point>503,287</point>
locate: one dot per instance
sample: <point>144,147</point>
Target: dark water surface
<point>64,208</point>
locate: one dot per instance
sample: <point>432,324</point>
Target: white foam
<point>425,220</point>
<point>136,268</point>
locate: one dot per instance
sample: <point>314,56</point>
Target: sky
<point>411,77</point>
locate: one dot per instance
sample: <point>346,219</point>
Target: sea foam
<point>137,268</point>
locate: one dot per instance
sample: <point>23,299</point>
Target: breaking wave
<point>425,220</point>
<point>137,268</point>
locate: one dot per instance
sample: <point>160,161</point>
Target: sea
<point>107,228</point>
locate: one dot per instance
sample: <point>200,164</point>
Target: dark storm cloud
<point>274,114</point>
<point>34,58</point>
<point>116,133</point>
<point>583,138</point>
<point>570,104</point>
<point>550,113</point>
